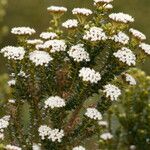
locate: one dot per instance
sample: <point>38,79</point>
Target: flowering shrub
<point>52,77</point>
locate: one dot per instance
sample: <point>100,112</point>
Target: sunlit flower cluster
<point>54,102</point>
<point>95,34</point>
<point>12,147</point>
<point>90,75</point>
<point>70,24</point>
<point>130,79</point>
<point>11,82</point>
<point>112,92</point>
<point>14,53</point>
<point>102,1</point>
<point>82,11</point>
<point>79,148</point>
<point>78,53</point>
<point>106,136</point>
<point>145,48</point>
<point>23,31</point>
<point>34,41</point>
<point>48,35</point>
<point>93,113</point>
<point>57,9</point>
<point>40,58</point>
<point>125,55</point>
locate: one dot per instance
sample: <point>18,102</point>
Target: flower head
<point>79,148</point>
<point>112,92</point>
<point>44,131</point>
<point>106,136</point>
<point>11,82</point>
<point>54,102</point>
<point>121,17</point>
<point>90,75</point>
<point>48,35</point>
<point>93,113</point>
<point>99,2</point>
<point>82,11</point>
<point>130,79</point>
<point>70,24</point>
<point>40,58</point>
<point>57,9</point>
<point>78,53</point>
<point>125,55</point>
<point>23,31</point>
<point>15,53</point>
<point>12,147</point>
<point>95,34</point>
<point>137,34</point>
<point>34,41</point>
<point>145,48</point>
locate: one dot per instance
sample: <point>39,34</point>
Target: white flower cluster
<point>82,11</point>
<point>11,82</point>
<point>54,102</point>
<point>145,48</point>
<point>120,38</point>
<point>78,53</point>
<point>40,58</point>
<point>125,55</point>
<point>51,134</point>
<point>56,45</point>
<point>89,75</point>
<point>93,113</point>
<point>102,1</point>
<point>4,123</point>
<point>106,136</point>
<point>34,41</point>
<point>36,146</point>
<point>79,148</point>
<point>121,17</point>
<point>112,92</point>
<point>70,23</point>
<point>48,35</point>
<point>137,34</point>
<point>12,147</point>
<point>108,6</point>
<point>23,31</point>
<point>15,53</point>
<point>12,101</point>
<point>103,123</point>
<point>130,79</point>
<point>57,9</point>
<point>95,34</point>
<point>22,74</point>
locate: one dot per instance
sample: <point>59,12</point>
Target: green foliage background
<point>33,13</point>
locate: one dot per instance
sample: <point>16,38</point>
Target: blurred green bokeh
<point>33,13</point>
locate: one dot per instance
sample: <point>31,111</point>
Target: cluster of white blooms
<point>40,58</point>
<point>108,6</point>
<point>11,82</point>
<point>12,101</point>
<point>4,123</point>
<point>145,48</point>
<point>106,136</point>
<point>103,123</point>
<point>137,34</point>
<point>78,53</point>
<point>48,35</point>
<point>102,1</point>
<point>90,75</point>
<point>54,101</point>
<point>120,38</point>
<point>112,92</point>
<point>93,113</point>
<point>125,55</point>
<point>121,17</point>
<point>15,53</point>
<point>132,147</point>
<point>36,146</point>
<point>79,148</point>
<point>70,23</point>
<point>130,79</point>
<point>82,11</point>
<point>57,9</point>
<point>12,147</point>
<point>56,45</point>
<point>52,134</point>
<point>23,31</point>
<point>34,41</point>
<point>22,74</point>
<point>95,34</point>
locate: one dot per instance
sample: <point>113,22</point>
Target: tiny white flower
<point>23,31</point>
<point>102,1</point>
<point>95,34</point>
<point>137,34</point>
<point>108,6</point>
<point>78,53</point>
<point>79,148</point>
<point>48,35</point>
<point>125,55</point>
<point>82,11</point>
<point>145,48</point>
<point>44,131</point>
<point>40,58</point>
<point>132,147</point>
<point>71,23</point>
<point>12,101</point>
<point>54,102</point>
<point>93,113</point>
<point>112,92</point>
<point>103,123</point>
<point>57,9</point>
<point>106,136</point>
<point>1,136</point>
<point>130,79</point>
<point>121,17</point>
<point>34,41</point>
<point>11,82</point>
<point>90,75</point>
<point>14,53</point>
<point>12,147</point>
<point>36,146</point>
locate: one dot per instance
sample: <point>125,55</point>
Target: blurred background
<point>33,13</point>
